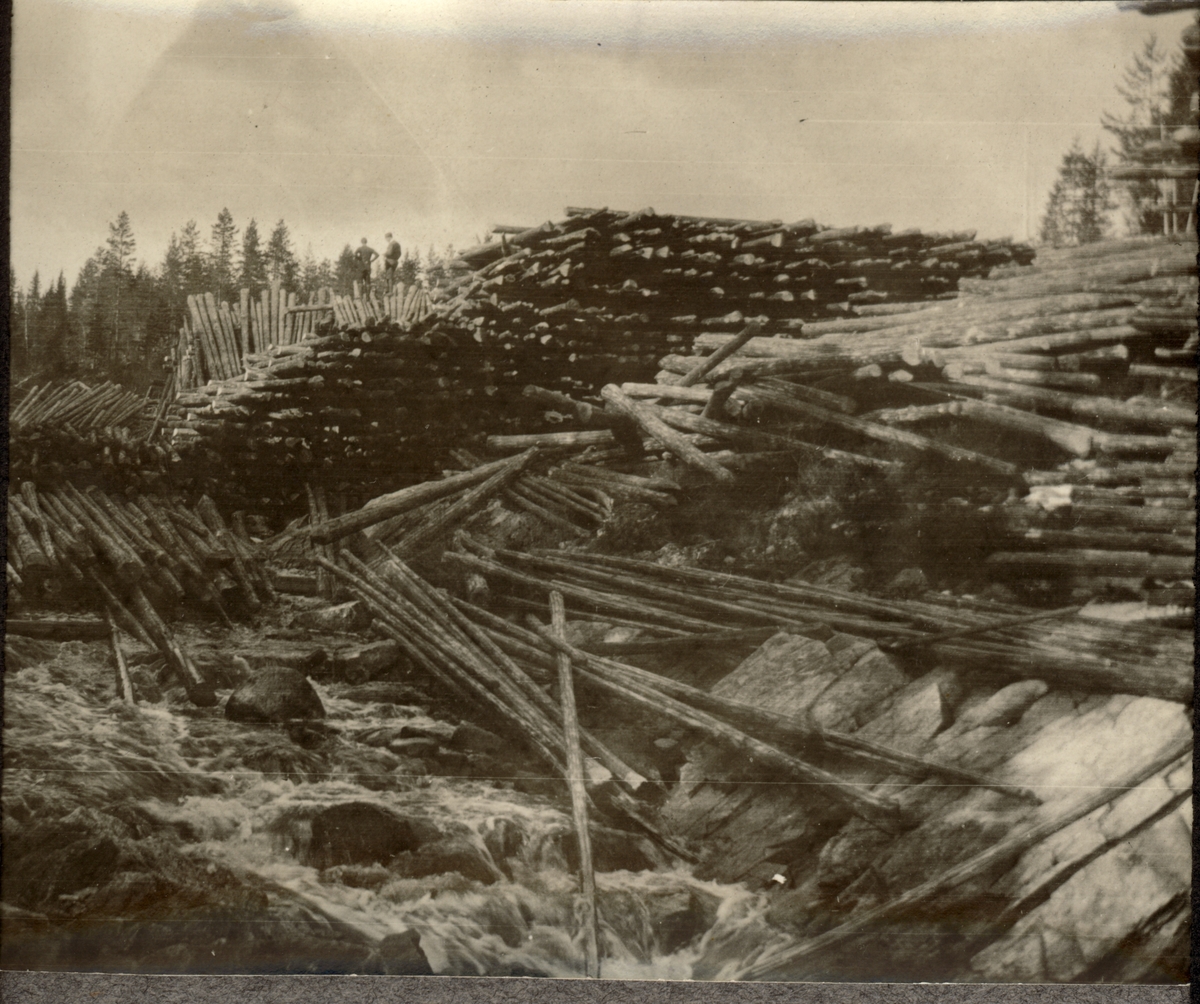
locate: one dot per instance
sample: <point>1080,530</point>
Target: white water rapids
<point>242,797</point>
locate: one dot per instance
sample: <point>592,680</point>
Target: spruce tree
<point>1079,204</point>
<point>281,259</point>
<point>220,258</point>
<point>253,273</point>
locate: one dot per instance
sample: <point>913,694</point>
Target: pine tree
<point>345,272</point>
<point>193,267</point>
<point>220,258</point>
<point>281,260</point>
<point>253,274</point>
<point>1144,89</point>
<point>121,244</point>
<point>1079,204</point>
<point>409,271</point>
<point>56,334</point>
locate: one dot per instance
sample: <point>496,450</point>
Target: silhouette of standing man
<point>391,259</point>
<point>365,255</point>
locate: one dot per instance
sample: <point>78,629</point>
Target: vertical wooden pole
<point>244,323</point>
<point>293,325</point>
<point>587,875</point>
<point>264,320</point>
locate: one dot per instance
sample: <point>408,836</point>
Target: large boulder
<point>452,854</point>
<point>363,833</point>
<point>402,955</point>
<point>275,695</point>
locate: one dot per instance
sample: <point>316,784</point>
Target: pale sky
<point>437,118</point>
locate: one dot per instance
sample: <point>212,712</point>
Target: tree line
<point>1159,89</point>
<point>121,317</point>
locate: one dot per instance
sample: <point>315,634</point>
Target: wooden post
<point>244,321</point>
<point>587,875</point>
<point>697,373</point>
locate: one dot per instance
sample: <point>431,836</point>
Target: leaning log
<point>621,404</point>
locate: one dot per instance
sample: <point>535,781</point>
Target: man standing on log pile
<point>365,255</point>
<point>391,259</point>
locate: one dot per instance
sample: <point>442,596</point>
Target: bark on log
<point>566,690</point>
<point>653,426</point>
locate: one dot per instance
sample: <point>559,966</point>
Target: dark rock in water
<point>472,739</point>
<point>402,955</point>
<point>361,663</point>
<point>504,840</point>
<point>449,763</point>
<point>529,783</point>
<point>613,851</point>
<point>361,833</point>
<point>275,695</point>
<point>909,583</point>
<point>454,854</point>
<point>680,916</point>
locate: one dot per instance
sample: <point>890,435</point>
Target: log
<point>405,500</point>
<point>698,372</point>
<point>586,413</point>
<point>470,503</point>
<point>57,628</point>
<point>882,433</point>
<point>905,644</point>
<point>126,565</point>
<point>200,692</point>
<point>1078,440</point>
<point>587,875</point>
<point>451,612</point>
<point>1150,543</point>
<point>1089,407</point>
<point>813,395</point>
<point>620,404</point>
<point>124,684</point>
<point>881,812</point>
<point>1093,562</point>
<point>588,437</point>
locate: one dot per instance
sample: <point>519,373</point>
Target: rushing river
<point>170,785</point>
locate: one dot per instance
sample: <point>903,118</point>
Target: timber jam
<point>656,597</point>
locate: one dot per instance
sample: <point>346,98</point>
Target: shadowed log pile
<point>1034,378</point>
<point>61,426</point>
<point>599,296</point>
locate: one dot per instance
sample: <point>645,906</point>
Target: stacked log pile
<point>217,336</point>
<point>359,410</point>
<point>67,425</point>
<point>598,296</point>
<point>138,559</point>
<point>1077,373</point>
